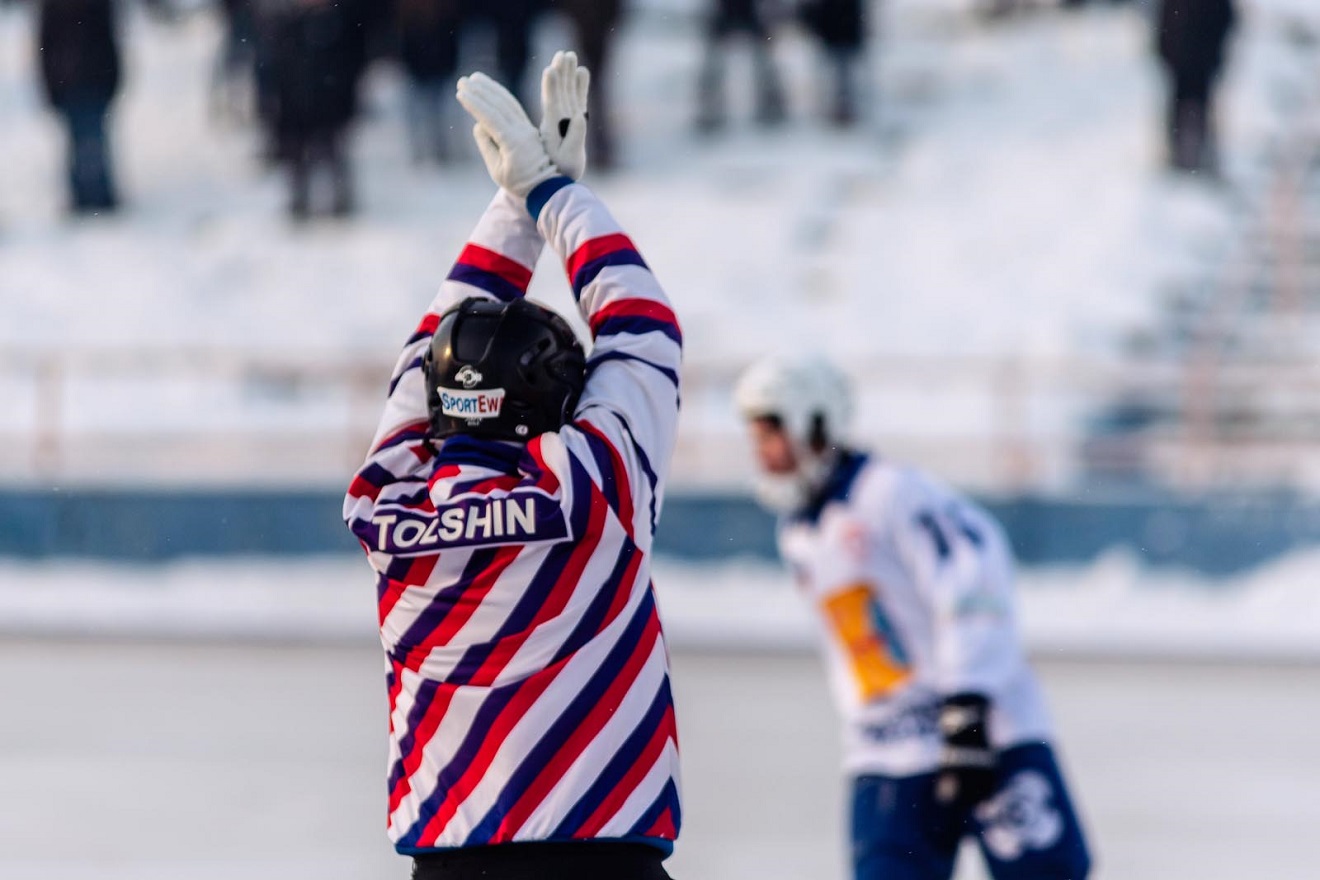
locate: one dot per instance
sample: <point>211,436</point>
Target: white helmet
<point>808,394</point>
<point>812,399</point>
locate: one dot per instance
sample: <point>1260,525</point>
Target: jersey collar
<point>836,486</point>
<point>496,455</point>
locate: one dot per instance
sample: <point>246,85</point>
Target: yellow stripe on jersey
<point>876,669</point>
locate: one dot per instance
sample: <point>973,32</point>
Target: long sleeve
<point>496,263</point>
<point>631,398</point>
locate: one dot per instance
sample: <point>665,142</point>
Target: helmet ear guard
<point>818,439</point>
<point>505,371</point>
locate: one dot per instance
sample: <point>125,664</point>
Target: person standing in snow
<point>725,20</point>
<point>512,22</point>
<point>428,51</point>
<point>318,50</point>
<point>840,26</point>
<point>1190,40</point>
<point>78,48</point>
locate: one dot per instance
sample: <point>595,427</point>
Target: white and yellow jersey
<point>913,588</point>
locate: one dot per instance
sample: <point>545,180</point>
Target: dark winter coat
<point>840,24</point>
<point>428,37</point>
<point>594,20</point>
<point>1191,35</point>
<point>79,51</point>
<point>319,52</point>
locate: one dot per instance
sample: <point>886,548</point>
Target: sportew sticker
<point>472,405</point>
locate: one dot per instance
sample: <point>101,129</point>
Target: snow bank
<point>1110,608</point>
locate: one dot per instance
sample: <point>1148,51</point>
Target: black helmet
<point>507,371</point>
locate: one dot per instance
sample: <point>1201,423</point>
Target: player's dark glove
<point>967,763</point>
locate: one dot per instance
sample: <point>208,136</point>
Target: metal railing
<point>1010,424</point>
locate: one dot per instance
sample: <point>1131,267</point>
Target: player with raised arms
<point>945,728</point>
<point>508,505</point>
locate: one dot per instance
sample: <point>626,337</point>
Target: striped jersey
<point>528,677</point>
<point>912,585</point>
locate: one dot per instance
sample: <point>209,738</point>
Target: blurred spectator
<point>595,24</point>
<point>1190,41</point>
<point>80,72</point>
<point>512,21</point>
<point>841,28</point>
<point>318,55</point>
<point>726,19</point>
<point>1077,4</point>
<point>430,36</point>
<point>237,58</point>
<point>428,50</point>
<point>378,20</point>
<point>266,19</point>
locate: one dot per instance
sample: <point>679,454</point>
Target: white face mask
<point>782,494</point>
<point>789,493</point>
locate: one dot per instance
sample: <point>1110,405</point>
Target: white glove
<point>564,88</point>
<point>509,143</point>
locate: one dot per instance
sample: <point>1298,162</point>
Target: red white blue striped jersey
<point>528,675</point>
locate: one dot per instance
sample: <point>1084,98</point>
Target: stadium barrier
<point>1214,535</point>
<point>157,454</point>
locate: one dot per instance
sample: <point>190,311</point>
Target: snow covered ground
<point>1112,608</point>
<point>1004,204</point>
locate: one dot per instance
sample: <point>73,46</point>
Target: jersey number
<point>954,523</point>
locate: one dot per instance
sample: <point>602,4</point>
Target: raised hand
<point>510,145</point>
<point>564,89</point>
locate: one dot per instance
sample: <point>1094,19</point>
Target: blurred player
<point>507,506</point>
<point>946,733</point>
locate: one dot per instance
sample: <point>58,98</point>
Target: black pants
<point>1190,121</point>
<point>312,151</point>
<point>728,18</point>
<point>512,21</point>
<point>594,25</point>
<point>604,860</point>
<point>91,181</point>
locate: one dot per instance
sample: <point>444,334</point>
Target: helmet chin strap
<point>792,492</point>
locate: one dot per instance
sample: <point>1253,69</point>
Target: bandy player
<point>946,733</point>
<point>507,506</point>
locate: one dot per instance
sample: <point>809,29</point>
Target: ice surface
<point>196,760</point>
